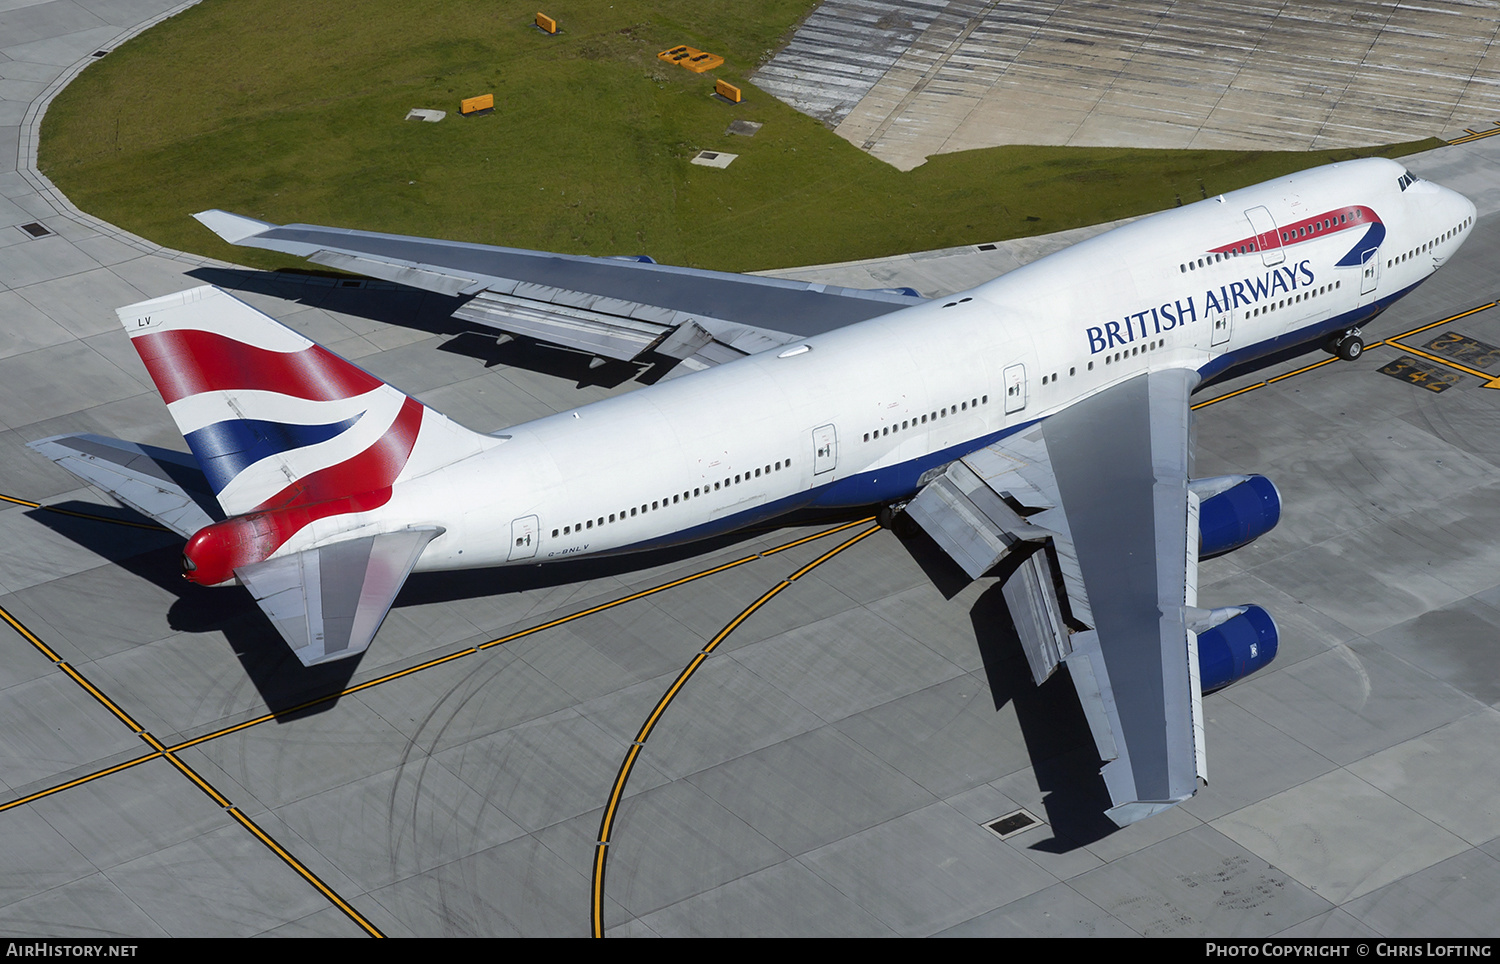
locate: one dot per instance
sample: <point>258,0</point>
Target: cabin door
<point>1015,388</point>
<point>1369,272</point>
<point>1267,236</point>
<point>523,538</point>
<point>825,449</point>
<point>1218,322</point>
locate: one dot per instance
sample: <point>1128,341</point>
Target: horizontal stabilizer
<point>166,486</point>
<point>329,602</point>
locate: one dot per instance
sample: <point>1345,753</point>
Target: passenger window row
<point>1215,257</point>
<point>1137,350</point>
<point>673,499</point>
<point>912,423</point>
<point>1287,236</point>
<point>1294,299</point>
<point>1446,235</point>
<point>1321,225</point>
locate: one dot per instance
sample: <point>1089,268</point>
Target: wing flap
<point>1031,596</point>
<point>612,336</point>
<point>973,512</point>
<point>967,519</point>
<point>329,602</point>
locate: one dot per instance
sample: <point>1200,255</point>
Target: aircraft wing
<point>1095,504</point>
<point>620,308</point>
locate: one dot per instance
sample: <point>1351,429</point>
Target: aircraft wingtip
<point>234,228</point>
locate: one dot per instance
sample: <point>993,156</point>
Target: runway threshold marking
<point>617,792</point>
<point>1391,341</point>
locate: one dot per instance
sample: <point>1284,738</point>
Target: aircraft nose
<point>1466,211</point>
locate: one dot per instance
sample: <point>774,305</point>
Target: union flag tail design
<point>287,433</point>
<point>279,424</point>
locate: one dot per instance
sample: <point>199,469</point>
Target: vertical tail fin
<point>288,433</point>
<point>275,420</point>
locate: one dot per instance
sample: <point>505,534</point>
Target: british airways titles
<point>1165,317</point>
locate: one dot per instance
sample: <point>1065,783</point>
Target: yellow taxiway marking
<point>73,783</point>
<point>267,717</point>
<point>1392,341</point>
<point>1490,379</point>
<point>170,753</point>
<point>606,823</point>
<point>29,636</point>
<point>617,792</point>
<point>162,751</point>
<point>84,515</point>
<point>1474,136</point>
<point>301,869</point>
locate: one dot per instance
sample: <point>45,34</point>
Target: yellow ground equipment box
<point>476,105</point>
<point>692,58</point>
<point>727,91</point>
<point>545,23</point>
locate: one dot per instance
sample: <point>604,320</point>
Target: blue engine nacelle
<point>1235,647</point>
<point>1234,511</point>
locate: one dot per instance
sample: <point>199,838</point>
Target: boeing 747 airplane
<point>1037,427</point>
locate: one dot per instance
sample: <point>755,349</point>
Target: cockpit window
<point>1406,178</point>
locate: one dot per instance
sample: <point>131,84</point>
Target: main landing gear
<point>894,518</point>
<point>1348,346</point>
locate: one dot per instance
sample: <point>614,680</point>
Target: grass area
<point>296,114</point>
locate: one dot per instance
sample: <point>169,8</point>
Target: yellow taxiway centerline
<point>617,792</point>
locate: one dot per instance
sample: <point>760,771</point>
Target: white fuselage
<point>856,415</point>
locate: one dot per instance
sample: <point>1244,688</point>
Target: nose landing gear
<point>1349,345</point>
